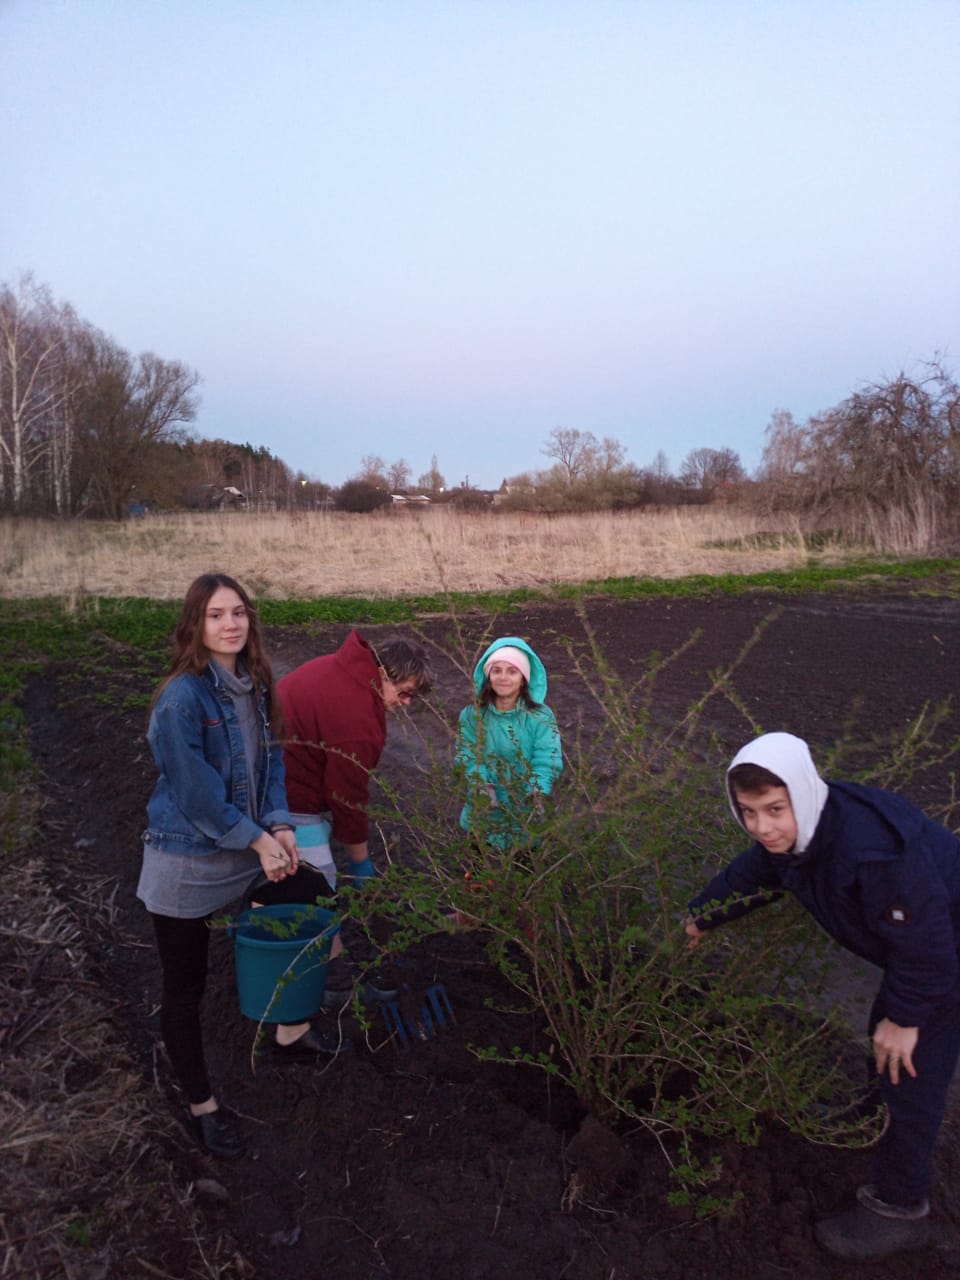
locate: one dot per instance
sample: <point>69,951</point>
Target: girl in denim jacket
<point>216,821</point>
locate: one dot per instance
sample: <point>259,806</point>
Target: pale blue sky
<point>408,228</point>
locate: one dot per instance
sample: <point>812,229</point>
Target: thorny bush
<point>586,923</point>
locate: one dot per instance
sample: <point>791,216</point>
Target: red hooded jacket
<point>336,732</point>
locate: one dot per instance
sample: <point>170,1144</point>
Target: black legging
<point>183,946</point>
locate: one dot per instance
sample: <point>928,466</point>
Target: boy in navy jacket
<point>884,881</point>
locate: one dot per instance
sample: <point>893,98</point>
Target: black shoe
<point>370,991</point>
<point>375,991</point>
<point>217,1134</point>
<point>314,1041</point>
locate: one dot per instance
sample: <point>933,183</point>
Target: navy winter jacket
<point>880,877</point>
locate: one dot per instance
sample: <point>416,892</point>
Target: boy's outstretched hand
<point>693,931</point>
<point>893,1047</point>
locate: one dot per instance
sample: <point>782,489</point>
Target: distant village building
<point>215,497</point>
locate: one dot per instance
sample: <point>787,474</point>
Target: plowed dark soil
<point>426,1163</point>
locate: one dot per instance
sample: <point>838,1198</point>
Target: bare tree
<point>894,441</point>
<point>781,475</point>
<point>79,419</point>
<point>784,448</point>
<point>657,485</point>
<point>398,475</point>
<point>727,467</point>
<point>609,457</point>
<point>574,451</point>
<point>432,481</point>
<point>660,467</point>
<point>587,475</point>
<point>892,446</point>
<point>125,406</point>
<point>373,471</point>
<point>710,469</point>
<point>35,389</point>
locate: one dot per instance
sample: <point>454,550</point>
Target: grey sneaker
<point>867,1196</point>
<point>868,1232</point>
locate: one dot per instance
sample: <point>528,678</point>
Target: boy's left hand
<point>893,1047</point>
<point>693,931</point>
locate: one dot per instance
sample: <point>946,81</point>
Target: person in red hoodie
<point>335,709</point>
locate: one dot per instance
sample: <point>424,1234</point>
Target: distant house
<point>231,497</point>
<point>214,497</point>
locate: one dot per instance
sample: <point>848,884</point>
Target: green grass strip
<point>32,630</point>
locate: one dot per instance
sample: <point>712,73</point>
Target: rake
<point>416,1018</point>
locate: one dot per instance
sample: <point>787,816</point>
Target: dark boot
<point>344,976</point>
<point>874,1228</point>
<point>217,1133</point>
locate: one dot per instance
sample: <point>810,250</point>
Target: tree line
<point>79,415</point>
<point>890,451</point>
<point>86,428</point>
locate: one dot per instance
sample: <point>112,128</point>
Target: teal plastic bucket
<point>281,956</point>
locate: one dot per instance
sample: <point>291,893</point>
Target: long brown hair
<point>191,658</point>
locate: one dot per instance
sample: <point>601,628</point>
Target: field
<point>306,556</point>
<point>424,1162</point>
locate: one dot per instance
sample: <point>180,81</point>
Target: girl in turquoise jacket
<point>508,745</point>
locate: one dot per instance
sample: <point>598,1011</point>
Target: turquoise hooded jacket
<point>512,755</point>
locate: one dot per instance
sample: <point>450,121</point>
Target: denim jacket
<point>201,802</point>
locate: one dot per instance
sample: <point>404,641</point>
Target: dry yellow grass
<point>303,556</point>
<point>87,1182</point>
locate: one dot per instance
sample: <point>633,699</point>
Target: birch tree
<point>35,388</point>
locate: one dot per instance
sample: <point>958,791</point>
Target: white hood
<point>789,758</point>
